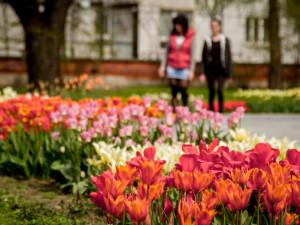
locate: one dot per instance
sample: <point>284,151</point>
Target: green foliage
<point>36,154</point>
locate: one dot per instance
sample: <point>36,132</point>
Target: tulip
<point>290,218</point>
<point>222,191</point>
<point>201,181</point>
<point>240,177</point>
<point>275,197</point>
<point>295,186</point>
<point>115,187</point>
<point>186,211</point>
<point>137,210</point>
<point>126,173</point>
<point>238,198</point>
<point>115,207</point>
<point>259,178</point>
<point>98,199</point>
<point>204,215</point>
<point>281,173</point>
<point>183,180</point>
<point>210,198</point>
<point>151,193</point>
<point>150,171</point>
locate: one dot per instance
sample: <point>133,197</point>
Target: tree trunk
<point>44,36</point>
<point>42,56</point>
<point>275,76</point>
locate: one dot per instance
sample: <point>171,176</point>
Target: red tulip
<point>98,198</point>
<point>262,155</point>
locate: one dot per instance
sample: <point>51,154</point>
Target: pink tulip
<point>143,120</point>
<point>198,104</point>
<point>128,130</point>
<point>71,123</point>
<point>161,104</point>
<point>153,122</point>
<point>144,130</point>
<point>169,132</point>
<point>55,135</point>
<point>169,119</point>
<point>146,102</point>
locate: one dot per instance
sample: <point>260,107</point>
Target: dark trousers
<point>211,78</point>
<point>179,86</point>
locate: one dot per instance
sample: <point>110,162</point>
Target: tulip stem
<point>258,206</point>
<point>148,191</point>
<point>124,216</point>
<point>240,217</point>
<point>273,218</point>
<point>223,222</point>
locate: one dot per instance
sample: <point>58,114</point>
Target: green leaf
<point>66,169</point>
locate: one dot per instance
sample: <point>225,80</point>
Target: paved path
<point>273,125</point>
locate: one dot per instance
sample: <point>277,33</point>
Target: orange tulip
<point>155,191</point>
<point>222,191</point>
<point>290,218</point>
<point>186,211</point>
<point>281,173</point>
<point>126,173</point>
<point>238,198</point>
<point>115,187</point>
<point>240,177</point>
<point>259,178</point>
<point>183,180</point>
<point>203,215</point>
<point>210,198</point>
<point>114,207</point>
<point>295,186</point>
<point>150,171</point>
<point>201,181</point>
<point>275,197</point>
<point>137,210</point>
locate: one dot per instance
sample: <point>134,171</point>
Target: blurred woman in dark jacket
<point>216,63</point>
<point>179,60</point>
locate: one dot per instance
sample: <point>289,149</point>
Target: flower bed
<point>53,137</point>
<point>206,185</point>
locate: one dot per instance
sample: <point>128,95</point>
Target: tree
<point>275,76</point>
<point>44,25</point>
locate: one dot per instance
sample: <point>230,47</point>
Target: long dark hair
<point>182,20</point>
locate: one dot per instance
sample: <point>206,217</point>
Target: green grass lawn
<point>39,202</point>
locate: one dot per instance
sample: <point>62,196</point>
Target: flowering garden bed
<point>72,141</point>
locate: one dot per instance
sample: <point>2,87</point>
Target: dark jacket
<point>207,59</point>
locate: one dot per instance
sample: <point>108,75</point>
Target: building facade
<point>138,30</point>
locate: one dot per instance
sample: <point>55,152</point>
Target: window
<point>166,25</point>
<point>118,32</point>
<point>257,30</point>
